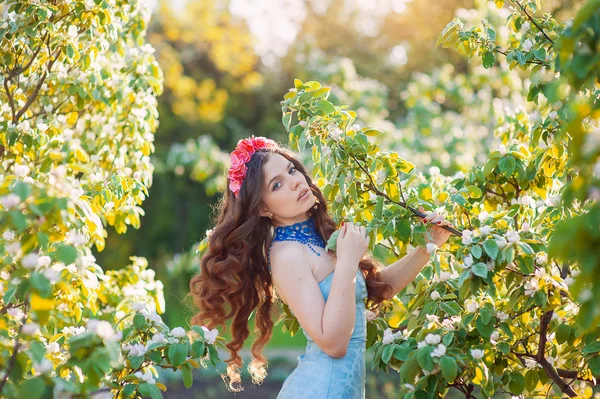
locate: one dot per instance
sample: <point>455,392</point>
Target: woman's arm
<point>400,273</point>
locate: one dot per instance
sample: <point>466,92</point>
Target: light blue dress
<point>320,376</point>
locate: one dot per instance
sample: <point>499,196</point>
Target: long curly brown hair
<point>234,278</point>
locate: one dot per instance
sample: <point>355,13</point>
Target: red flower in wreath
<point>240,156</point>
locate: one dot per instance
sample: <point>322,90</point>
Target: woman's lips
<point>303,196</point>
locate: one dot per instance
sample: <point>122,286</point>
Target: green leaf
<point>516,384</point>
<point>474,191</point>
<point>188,379</point>
<point>402,352</point>
<point>592,348</point>
<point>150,390</point>
<point>31,389</point>
<point>491,248</point>
<point>198,348</point>
<point>325,106</point>
<point>128,390</point>
<point>480,269</point>
<point>507,165</point>
<point>65,253</point>
<point>562,333</point>
<point>488,59</point>
<point>18,220</point>
<point>332,242</point>
<point>449,368</point>
<point>178,353</point>
<point>531,380</point>
<point>424,358</point>
<point>540,54</point>
<point>452,308</point>
<point>525,248</point>
<point>38,351</point>
<point>489,166</point>
<point>387,353</point>
<point>139,321</point>
<point>476,251</point>
<point>21,189</point>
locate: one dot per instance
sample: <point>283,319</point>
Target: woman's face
<point>286,194</point>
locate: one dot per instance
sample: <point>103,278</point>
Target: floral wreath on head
<point>240,156</point>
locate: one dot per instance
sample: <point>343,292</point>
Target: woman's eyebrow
<point>271,181</point>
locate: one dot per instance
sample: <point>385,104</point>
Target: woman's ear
<point>265,213</point>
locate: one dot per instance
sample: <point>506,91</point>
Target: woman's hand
<point>352,243</point>
<point>437,234</point>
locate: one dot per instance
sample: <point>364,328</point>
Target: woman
<point>269,242</point>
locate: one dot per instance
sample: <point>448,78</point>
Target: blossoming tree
<point>507,306</point>
<point>77,118</point>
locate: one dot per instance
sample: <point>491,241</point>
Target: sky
<point>275,23</point>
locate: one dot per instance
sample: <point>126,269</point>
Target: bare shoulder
<point>289,265</point>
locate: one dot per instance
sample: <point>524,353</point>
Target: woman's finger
<point>431,216</point>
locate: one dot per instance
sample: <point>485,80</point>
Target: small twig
<point>532,20</point>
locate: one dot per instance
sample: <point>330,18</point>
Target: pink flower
<point>240,156</point>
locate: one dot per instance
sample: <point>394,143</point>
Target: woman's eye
<point>275,186</point>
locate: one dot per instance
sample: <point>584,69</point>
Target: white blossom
<point>210,335</point>
<point>483,215</point>
<point>21,170</point>
<point>553,115</point>
<point>45,366</point>
<point>421,344</point>
<point>468,260</point>
<point>388,336</point>
<point>146,376</point>
<point>334,131</point>
<point>435,295</point>
<point>30,328</point>
<point>541,258</point>
<point>512,236</point>
<point>29,261</point>
<point>72,31</point>
<point>502,149</point>
<point>527,45</point>
<point>439,351</point>
<point>370,315</point>
<point>44,261</point>
<point>527,200</point>
<point>16,313</point>
<point>477,353</point>
<point>52,347</point>
<point>157,339</point>
<point>302,124</point>
<point>485,230</point>
<point>495,336</point>
<point>380,177</point>
<point>52,275</point>
<point>178,332</point>
<point>8,235</point>
<point>471,305</point>
<point>525,226</point>
<point>434,171</point>
<point>531,287</point>
<point>137,350</point>
<point>10,201</point>
<point>597,169</point>
<point>535,117</point>
<point>431,247</point>
<point>503,316</point>
<point>433,339</point>
<point>501,242</point>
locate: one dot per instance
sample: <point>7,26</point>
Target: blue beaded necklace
<point>303,232</point>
